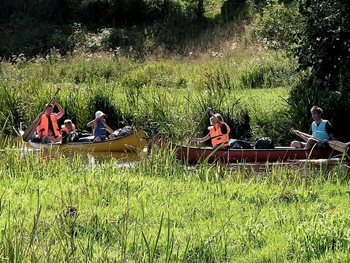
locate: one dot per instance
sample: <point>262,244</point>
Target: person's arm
<point>331,136</point>
<point>91,123</point>
<point>223,129</point>
<point>204,139</point>
<point>330,131</point>
<point>299,134</point>
<point>60,109</point>
<point>109,129</point>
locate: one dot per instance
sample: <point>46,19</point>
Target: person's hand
<point>192,139</point>
<point>101,121</point>
<point>54,100</point>
<point>296,132</point>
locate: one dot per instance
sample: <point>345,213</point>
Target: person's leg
<point>297,144</point>
<point>56,139</point>
<point>322,145</point>
<point>310,143</point>
<point>45,139</point>
<point>97,139</point>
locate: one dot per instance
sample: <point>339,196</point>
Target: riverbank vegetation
<point>66,209</point>
<point>163,77</point>
<point>159,65</point>
<point>162,96</point>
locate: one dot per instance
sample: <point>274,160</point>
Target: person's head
<point>219,117</point>
<point>48,109</point>
<point>213,121</point>
<point>316,112</point>
<point>68,123</point>
<point>99,114</point>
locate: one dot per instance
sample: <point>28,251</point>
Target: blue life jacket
<point>100,129</point>
<point>319,131</point>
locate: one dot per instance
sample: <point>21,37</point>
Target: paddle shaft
<point>28,133</point>
<point>199,124</point>
<point>336,145</point>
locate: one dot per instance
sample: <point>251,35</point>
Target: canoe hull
<point>129,142</point>
<point>193,155</point>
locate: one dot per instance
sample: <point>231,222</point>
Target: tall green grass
<point>60,209</point>
<point>166,96</point>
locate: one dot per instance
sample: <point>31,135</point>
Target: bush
<point>279,24</point>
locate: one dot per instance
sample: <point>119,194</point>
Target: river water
<point>91,159</point>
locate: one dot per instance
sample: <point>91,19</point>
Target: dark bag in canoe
<point>240,144</point>
<point>264,143</point>
<point>35,137</point>
<point>83,133</point>
<point>71,137</point>
<point>121,132</point>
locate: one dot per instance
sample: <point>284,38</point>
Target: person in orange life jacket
<point>218,132</point>
<point>99,126</point>
<point>320,129</point>
<point>47,129</point>
<point>68,131</point>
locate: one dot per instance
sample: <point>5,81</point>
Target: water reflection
<point>91,159</point>
<point>121,159</point>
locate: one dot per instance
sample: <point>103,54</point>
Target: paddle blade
<point>28,133</point>
<point>338,146</point>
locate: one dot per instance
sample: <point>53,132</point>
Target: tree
<point>323,51</point>
<point>325,45</point>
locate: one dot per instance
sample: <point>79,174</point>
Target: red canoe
<point>279,154</point>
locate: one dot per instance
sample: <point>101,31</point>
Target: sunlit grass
<point>172,94</point>
<point>59,209</point>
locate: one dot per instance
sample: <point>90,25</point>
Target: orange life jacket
<point>65,129</point>
<point>43,127</point>
<point>217,138</point>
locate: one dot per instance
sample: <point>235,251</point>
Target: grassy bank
<point>65,210</point>
<point>248,85</point>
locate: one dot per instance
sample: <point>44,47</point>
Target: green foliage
<point>325,43</point>
<point>37,27</point>
<point>333,103</point>
<point>323,52</point>
<point>9,107</point>
<point>163,97</point>
<point>217,89</point>
<point>279,25</point>
<point>267,71</point>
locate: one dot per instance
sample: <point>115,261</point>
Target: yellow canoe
<point>130,142</point>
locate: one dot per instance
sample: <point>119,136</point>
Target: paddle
<point>336,145</point>
<point>199,124</point>
<point>28,133</point>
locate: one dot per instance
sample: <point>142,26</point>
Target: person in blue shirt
<point>321,131</point>
<point>99,126</point>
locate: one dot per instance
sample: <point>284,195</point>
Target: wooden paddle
<point>28,133</point>
<point>199,124</point>
<point>336,145</point>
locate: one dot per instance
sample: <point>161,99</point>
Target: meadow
<point>69,210</point>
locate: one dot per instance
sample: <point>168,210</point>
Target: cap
<point>99,113</point>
